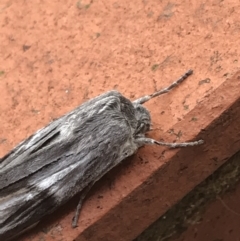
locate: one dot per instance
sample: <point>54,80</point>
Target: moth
<point>70,154</point>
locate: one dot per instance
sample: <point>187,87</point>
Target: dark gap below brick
<point>192,206</point>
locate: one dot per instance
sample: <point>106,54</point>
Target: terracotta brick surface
<point>57,54</point>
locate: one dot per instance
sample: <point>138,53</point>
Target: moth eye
<point>137,108</point>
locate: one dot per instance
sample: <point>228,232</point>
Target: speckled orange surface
<point>56,54</point>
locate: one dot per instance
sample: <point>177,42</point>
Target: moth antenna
<point>146,98</point>
<point>148,141</point>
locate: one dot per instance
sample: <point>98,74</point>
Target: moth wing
<point>58,166</point>
<point>53,140</point>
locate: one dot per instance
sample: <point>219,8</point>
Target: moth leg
<point>146,98</point>
<point>148,141</point>
<point>79,206</point>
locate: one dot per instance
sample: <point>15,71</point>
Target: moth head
<point>143,119</point>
